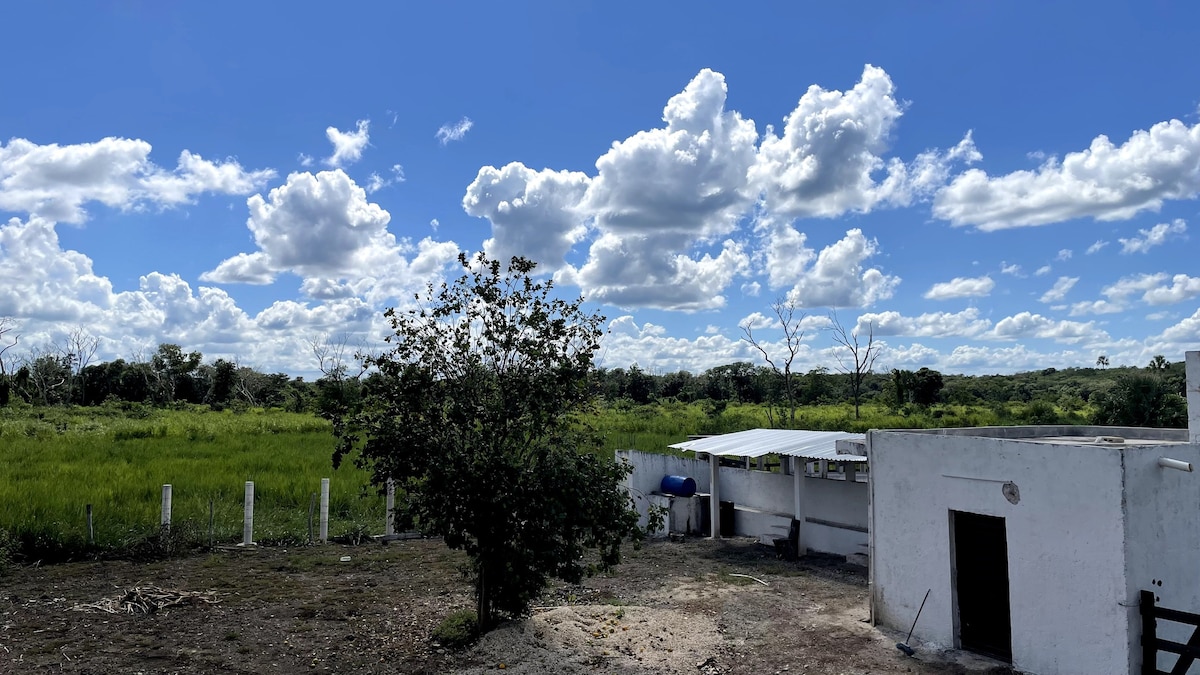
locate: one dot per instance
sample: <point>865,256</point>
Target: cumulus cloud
<point>1106,182</point>
<point>323,227</point>
<point>1182,288</point>
<point>1151,288</point>
<point>1029,325</point>
<point>1155,236</point>
<point>1096,247</point>
<point>454,131</point>
<point>533,213</point>
<point>936,324</point>
<point>56,181</point>
<point>1011,270</point>
<point>961,287</point>
<point>660,193</point>
<point>1042,271</point>
<point>837,276</point>
<point>1059,290</point>
<point>1064,254</point>
<point>825,161</point>
<point>348,146</point>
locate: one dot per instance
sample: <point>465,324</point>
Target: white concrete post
<point>248,516</point>
<point>166,506</point>
<point>714,504</point>
<point>1192,365</point>
<point>389,522</point>
<point>324,511</point>
<point>824,468</point>
<point>851,471</point>
<point>759,462</point>
<point>798,502</point>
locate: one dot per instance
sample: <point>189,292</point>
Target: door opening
<point>980,550</point>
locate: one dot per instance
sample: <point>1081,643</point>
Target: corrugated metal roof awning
<point>787,442</point>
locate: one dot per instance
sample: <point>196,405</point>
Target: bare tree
<point>8,326</point>
<point>785,311</point>
<point>77,351</point>
<point>854,358</point>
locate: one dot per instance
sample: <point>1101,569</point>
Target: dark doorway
<point>980,549</point>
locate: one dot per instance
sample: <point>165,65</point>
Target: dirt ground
<point>672,607</point>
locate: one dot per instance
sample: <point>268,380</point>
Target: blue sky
<point>987,187</point>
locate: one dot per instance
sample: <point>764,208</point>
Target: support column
<point>798,502</point>
<point>1192,365</point>
<point>166,506</point>
<point>714,503</point>
<point>850,469</point>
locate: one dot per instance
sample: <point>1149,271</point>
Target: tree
<point>854,358</point>
<point>793,334</point>
<point>77,352</point>
<point>8,340</point>
<point>475,411</point>
<point>1140,399</point>
<point>1102,361</point>
<point>1159,363</point>
<point>171,370</point>
<point>926,386</point>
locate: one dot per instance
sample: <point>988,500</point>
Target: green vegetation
<point>55,461</point>
<point>457,630</point>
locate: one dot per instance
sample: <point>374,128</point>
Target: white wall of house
<point>1065,537</point>
<point>1162,528</point>
<point>764,501</point>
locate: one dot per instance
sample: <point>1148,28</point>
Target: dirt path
<point>671,608</point>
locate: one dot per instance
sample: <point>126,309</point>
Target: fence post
<point>166,506</point>
<point>324,510</point>
<point>211,514</point>
<point>248,516</point>
<point>91,530</point>
<point>1149,634</point>
<point>389,523</point>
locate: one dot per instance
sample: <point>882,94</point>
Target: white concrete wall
<point>1162,529</point>
<point>831,500</point>
<point>1065,542</point>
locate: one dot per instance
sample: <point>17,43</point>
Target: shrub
<point>457,630</point>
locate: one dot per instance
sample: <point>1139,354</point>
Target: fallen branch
<point>747,576</point>
<point>148,600</point>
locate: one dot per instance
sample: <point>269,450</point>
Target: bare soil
<point>672,607</point>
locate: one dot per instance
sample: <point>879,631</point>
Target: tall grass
<point>55,462</point>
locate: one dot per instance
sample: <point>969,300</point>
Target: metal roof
<point>787,442</point>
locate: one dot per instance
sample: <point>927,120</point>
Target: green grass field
<point>55,461</point>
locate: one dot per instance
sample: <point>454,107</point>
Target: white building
<point>821,487</point>
<point>1035,542</point>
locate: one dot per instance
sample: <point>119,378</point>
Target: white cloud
<point>1155,236</point>
<point>1177,338</point>
<point>1028,325</point>
<point>837,278</point>
<point>1096,247</point>
<point>304,160</point>
<point>533,213</point>
<point>1011,270</point>
<point>961,287</point>
<point>1182,288</point>
<point>434,224</point>
<point>1060,289</point>
<point>55,181</point>
<point>1105,182</point>
<point>1064,254</point>
<point>454,132</point>
<point>348,146</point>
<point>752,289</point>
<point>936,324</point>
<point>759,321</point>
<point>824,162</point>
<point>660,194</point>
<point>1042,271</point>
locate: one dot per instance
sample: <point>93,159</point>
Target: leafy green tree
<point>1140,399</point>
<point>926,386</point>
<point>476,414</point>
<point>171,369</point>
<point>1158,363</point>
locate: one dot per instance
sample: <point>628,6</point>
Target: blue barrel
<point>680,486</point>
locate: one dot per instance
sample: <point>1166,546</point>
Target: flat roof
<point>787,442</point>
<point>1063,434</point>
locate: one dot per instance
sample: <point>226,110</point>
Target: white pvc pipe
<point>324,511</point>
<point>248,516</point>
<point>1168,463</point>
<point>389,523</point>
<point>166,505</point>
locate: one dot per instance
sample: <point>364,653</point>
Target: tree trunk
<point>483,601</point>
